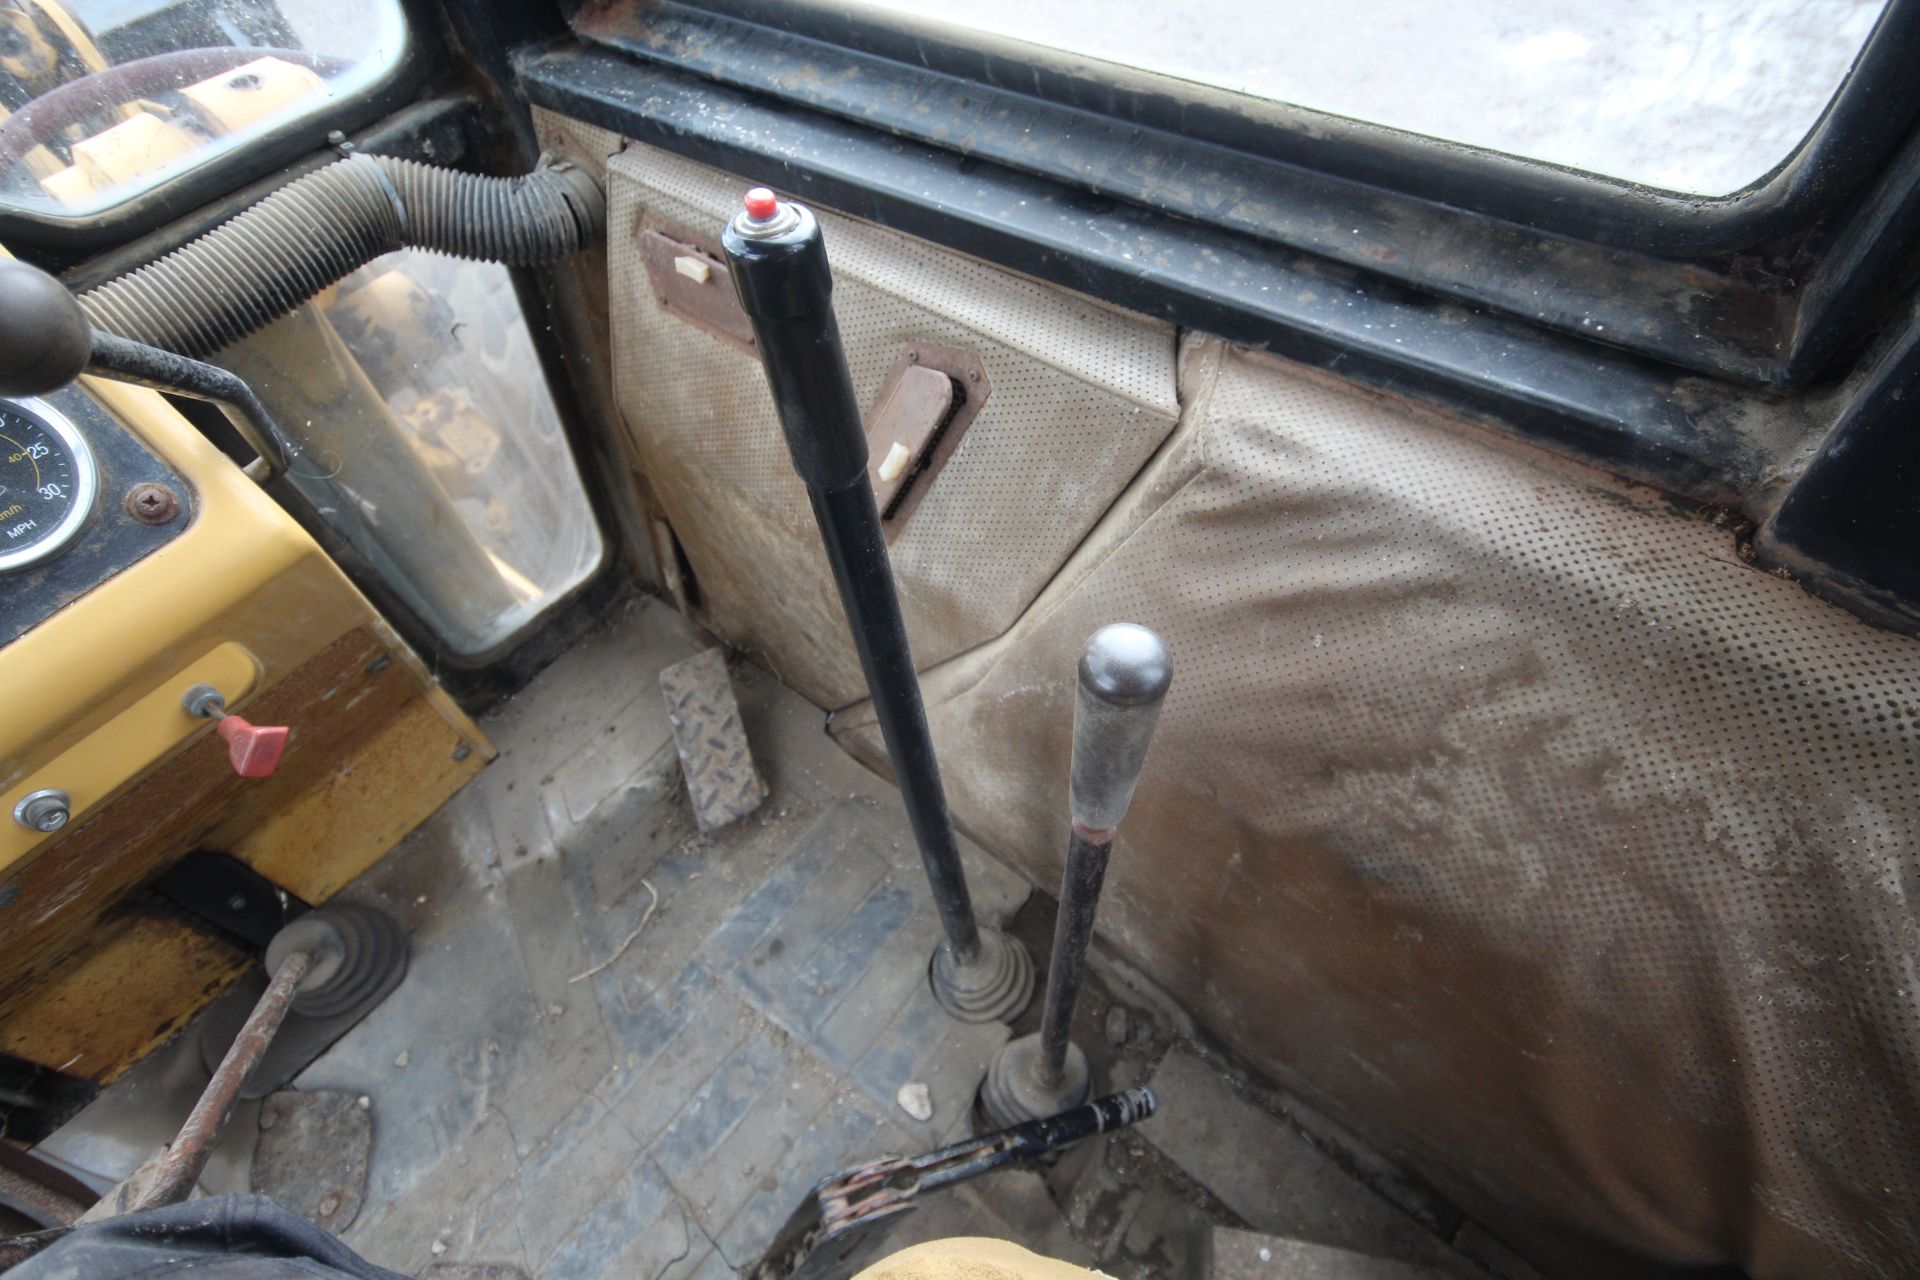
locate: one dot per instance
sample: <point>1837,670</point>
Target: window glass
<point>1697,96</point>
<point>424,432</point>
<point>105,99</point>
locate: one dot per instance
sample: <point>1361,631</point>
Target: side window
<point>1692,96</point>
<point>435,448</point>
<point>108,99</point>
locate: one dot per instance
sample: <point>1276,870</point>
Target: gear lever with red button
<point>779,264</point>
<point>253,749</point>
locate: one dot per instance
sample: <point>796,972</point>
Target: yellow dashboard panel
<point>242,579</point>
<point>92,974</point>
<point>129,743</point>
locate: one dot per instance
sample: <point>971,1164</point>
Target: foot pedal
<point>721,780</point>
<point>311,1156</point>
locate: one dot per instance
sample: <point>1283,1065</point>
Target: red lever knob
<point>254,749</point>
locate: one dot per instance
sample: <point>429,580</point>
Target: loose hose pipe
<point>313,232</point>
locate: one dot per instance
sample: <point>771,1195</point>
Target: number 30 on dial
<point>48,482</point>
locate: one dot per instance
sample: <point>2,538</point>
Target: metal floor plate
<point>553,1091</point>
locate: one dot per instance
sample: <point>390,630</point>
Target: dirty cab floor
<point>625,1049</point>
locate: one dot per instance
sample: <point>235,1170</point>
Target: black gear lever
<point>46,342</point>
<point>779,266</point>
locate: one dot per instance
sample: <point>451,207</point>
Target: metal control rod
<point>1085,874</point>
<point>1124,675</point>
<point>169,1176</point>
<point>46,341</point>
<point>779,265</point>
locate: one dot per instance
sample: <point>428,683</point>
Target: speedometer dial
<point>48,482</point>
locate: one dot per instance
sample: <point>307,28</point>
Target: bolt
<point>329,1206</point>
<point>151,503</point>
<point>462,751</point>
<point>236,903</point>
<point>203,702</point>
<point>44,811</point>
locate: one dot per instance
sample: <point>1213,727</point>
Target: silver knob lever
<point>1124,676</point>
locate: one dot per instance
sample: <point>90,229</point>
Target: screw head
<point>329,1206</point>
<point>152,503</point>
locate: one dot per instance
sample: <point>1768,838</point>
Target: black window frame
<point>1729,351</point>
<point>1771,287</point>
<point>1853,136</point>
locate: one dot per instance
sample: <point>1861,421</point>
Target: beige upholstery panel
<point>1082,396</point>
<point>1508,816</point>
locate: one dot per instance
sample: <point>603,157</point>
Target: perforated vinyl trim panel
<point>1562,855</point>
<point>1082,396</point>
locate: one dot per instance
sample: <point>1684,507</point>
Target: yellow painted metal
<point>316,843</point>
<point>234,99</point>
<point>243,572</point>
<point>140,983</point>
<point>127,745</point>
<point>89,702</point>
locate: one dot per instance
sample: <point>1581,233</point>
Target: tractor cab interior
<point>676,639</point>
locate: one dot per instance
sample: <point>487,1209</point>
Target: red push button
<point>762,204</point>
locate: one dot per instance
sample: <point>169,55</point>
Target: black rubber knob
<point>45,340</point>
<point>780,271</point>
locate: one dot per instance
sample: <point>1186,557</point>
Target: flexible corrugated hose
<point>311,233</point>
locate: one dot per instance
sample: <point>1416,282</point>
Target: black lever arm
<point>779,265</point>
